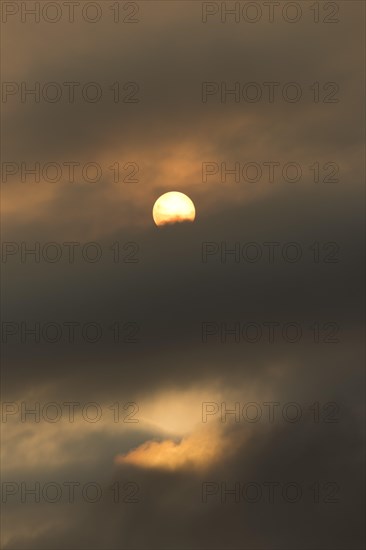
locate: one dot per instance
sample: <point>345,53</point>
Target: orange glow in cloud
<point>198,450</point>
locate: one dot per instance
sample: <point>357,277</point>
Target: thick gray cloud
<point>171,291</point>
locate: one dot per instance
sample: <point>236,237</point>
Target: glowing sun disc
<point>173,207</point>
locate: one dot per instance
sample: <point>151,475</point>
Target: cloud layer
<point>190,321</point>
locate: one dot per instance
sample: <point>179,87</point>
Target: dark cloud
<point>171,291</point>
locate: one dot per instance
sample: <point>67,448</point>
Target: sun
<point>173,207</point>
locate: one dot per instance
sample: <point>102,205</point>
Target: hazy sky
<point>206,380</point>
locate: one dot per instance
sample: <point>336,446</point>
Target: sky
<point>196,386</point>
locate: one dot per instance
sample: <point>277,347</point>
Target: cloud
<point>170,291</point>
<point>193,452</point>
